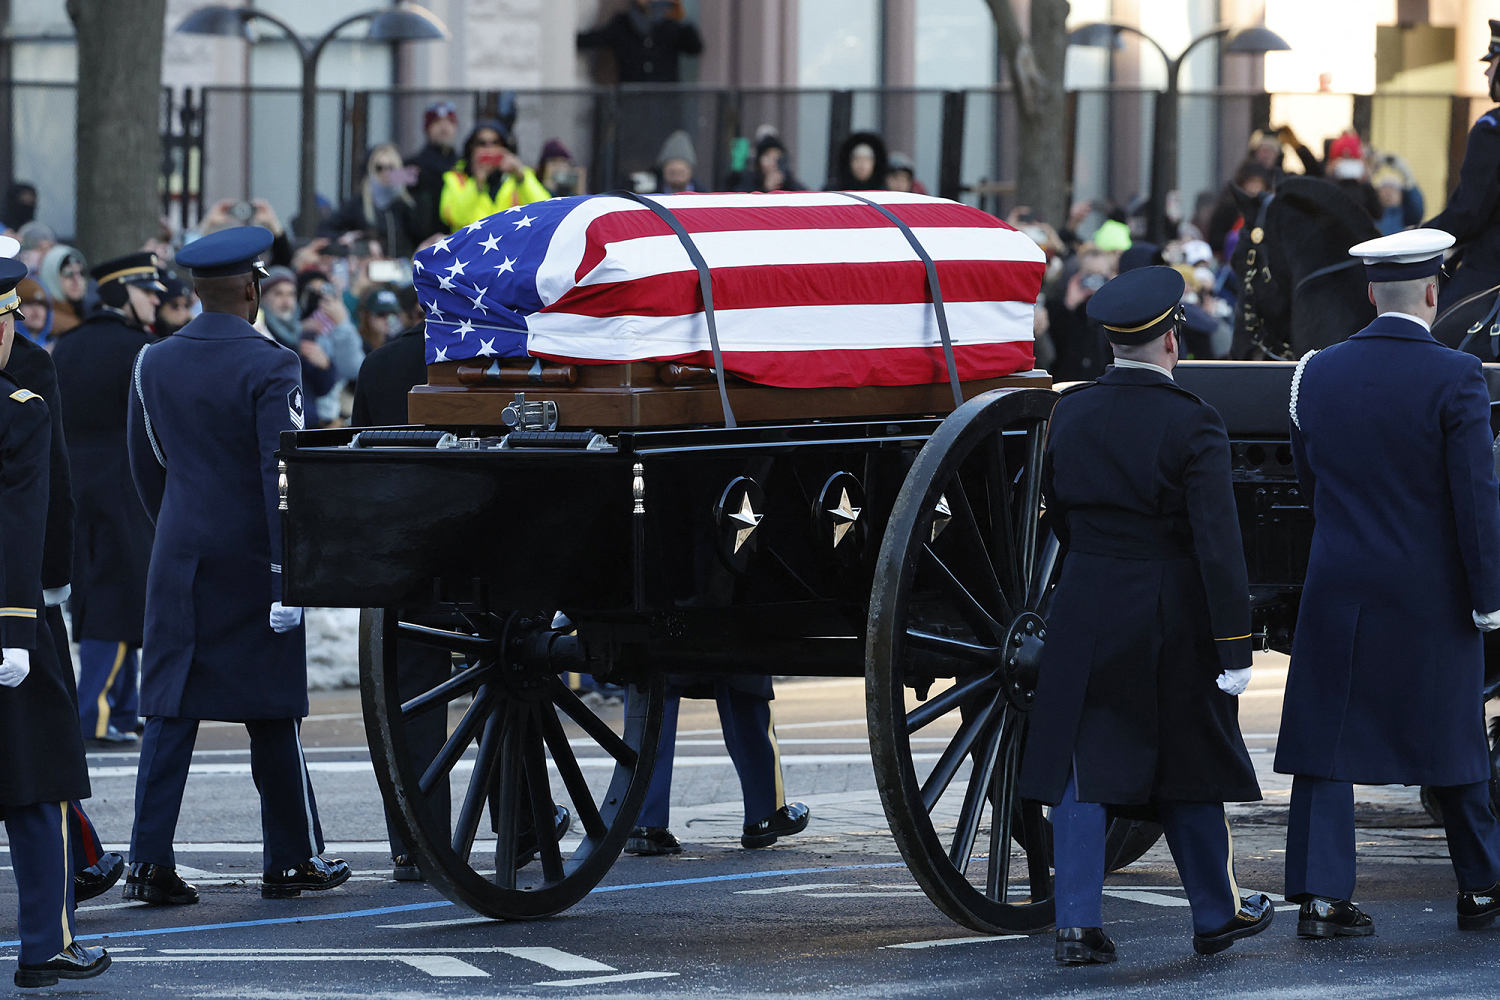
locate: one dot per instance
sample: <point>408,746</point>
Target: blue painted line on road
<point>415,907</point>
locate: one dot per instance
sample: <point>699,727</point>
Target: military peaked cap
<point>1412,253</point>
<point>1494,50</point>
<point>229,251</point>
<point>140,269</point>
<point>1140,305</point>
<point>11,274</point>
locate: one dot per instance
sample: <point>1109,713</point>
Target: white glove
<point>1487,622</point>
<point>57,595</point>
<point>284,619</point>
<point>1234,682</point>
<point>14,667</point>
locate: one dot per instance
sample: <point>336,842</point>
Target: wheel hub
<point>1024,640</point>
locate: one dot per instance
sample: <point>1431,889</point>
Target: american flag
<point>810,288</point>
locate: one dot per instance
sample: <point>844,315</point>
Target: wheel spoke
<point>971,652</point>
<point>978,549</point>
<point>504,804</point>
<point>968,608</point>
<point>590,723</point>
<point>939,705</point>
<point>463,642</point>
<point>953,754</point>
<point>459,684</point>
<point>572,774</point>
<point>458,742</point>
<point>975,795</point>
<point>1031,501</point>
<point>1046,567</point>
<point>469,814</point>
<point>998,484</point>
<point>543,811</point>
<point>1002,812</point>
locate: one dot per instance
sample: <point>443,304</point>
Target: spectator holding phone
<point>326,322</point>
<point>279,320</point>
<point>489,178</point>
<point>558,171</point>
<point>436,157</point>
<point>381,208</point>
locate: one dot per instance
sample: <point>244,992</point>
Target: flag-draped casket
<point>810,289</point>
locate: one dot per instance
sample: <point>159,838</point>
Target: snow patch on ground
<point>332,648</point>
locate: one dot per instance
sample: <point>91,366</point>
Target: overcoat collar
<point>1395,328</point>
<point>218,326</point>
<point>1116,375</point>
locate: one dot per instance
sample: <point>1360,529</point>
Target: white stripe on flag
<point>785,328</point>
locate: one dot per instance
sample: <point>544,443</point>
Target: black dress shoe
<point>404,869</point>
<point>1255,914</point>
<point>526,846</point>
<point>649,841</point>
<point>789,819</point>
<point>97,878</point>
<point>1478,909</point>
<point>312,875</point>
<point>73,962</point>
<point>1083,946</point>
<point>113,739</point>
<point>159,885</point>
<point>1321,917</point>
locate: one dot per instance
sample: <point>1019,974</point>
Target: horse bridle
<point>1255,266</point>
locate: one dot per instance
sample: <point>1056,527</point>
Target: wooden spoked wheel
<point>515,712</point>
<point>957,622</point>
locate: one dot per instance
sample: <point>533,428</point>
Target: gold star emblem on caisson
<point>748,518</point>
<point>941,515</point>
<point>844,516</point>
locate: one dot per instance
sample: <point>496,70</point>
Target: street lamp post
<point>404,23</point>
<point>1252,41</point>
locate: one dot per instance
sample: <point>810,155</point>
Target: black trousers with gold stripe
<point>44,878</point>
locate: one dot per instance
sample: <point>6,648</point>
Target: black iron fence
<point>242,143</point>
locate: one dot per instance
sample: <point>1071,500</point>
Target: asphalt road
<point>830,913</point>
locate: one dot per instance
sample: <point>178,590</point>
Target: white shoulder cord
<point>150,432</point>
<point>1297,385</point>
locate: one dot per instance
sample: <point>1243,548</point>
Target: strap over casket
<point>810,289</point>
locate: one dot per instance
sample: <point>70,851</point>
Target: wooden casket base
<point>651,394</point>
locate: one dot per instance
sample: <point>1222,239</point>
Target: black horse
<point>1300,289</point>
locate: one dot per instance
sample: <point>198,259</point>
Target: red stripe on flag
<point>766,286</point>
<point>628,224</point>
<point>884,366</point>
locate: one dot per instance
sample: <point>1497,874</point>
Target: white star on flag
<point>478,301</point>
<point>445,283</point>
<point>441,244</point>
<point>509,265</point>
<point>491,242</point>
<point>476,224</point>
<point>417,266</point>
<point>456,268</point>
<point>513,208</point>
<point>524,222</point>
<point>433,312</point>
<point>464,329</point>
<point>487,347</point>
<point>442,354</point>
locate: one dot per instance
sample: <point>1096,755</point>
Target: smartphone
<point>489,158</point>
<point>391,271</point>
<point>359,248</point>
<point>243,210</point>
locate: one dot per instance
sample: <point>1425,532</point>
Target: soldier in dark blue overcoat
<point>40,745</point>
<point>1149,628</point>
<point>113,537</point>
<point>1472,214</point>
<point>1391,436</point>
<point>207,409</point>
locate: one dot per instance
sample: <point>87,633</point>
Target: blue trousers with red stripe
<point>44,878</point>
<point>290,831</point>
<point>108,692</point>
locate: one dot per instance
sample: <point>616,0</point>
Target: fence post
<point>1362,114</point>
<point>604,165</point>
<point>169,149</point>
<point>951,161</point>
<point>359,137</point>
<point>840,124</point>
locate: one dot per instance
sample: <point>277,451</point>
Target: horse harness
<point>1254,326</point>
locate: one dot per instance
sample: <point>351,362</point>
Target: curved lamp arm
<point>251,14</point>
